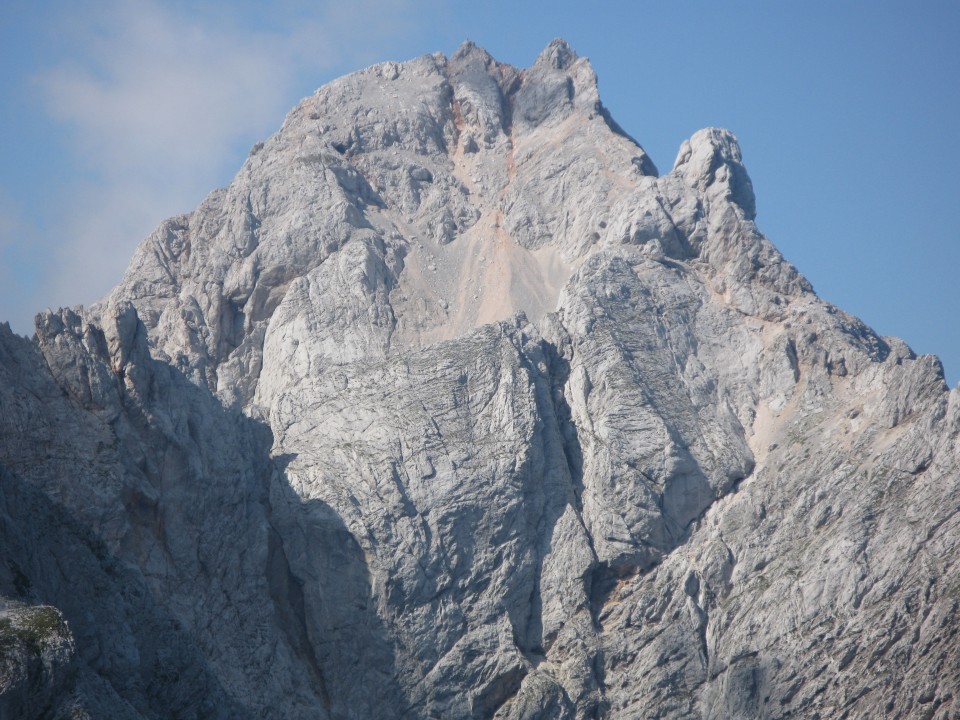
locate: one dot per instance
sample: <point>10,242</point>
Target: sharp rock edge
<point>450,406</point>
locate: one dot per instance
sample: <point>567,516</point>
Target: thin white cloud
<point>154,108</point>
<point>156,100</point>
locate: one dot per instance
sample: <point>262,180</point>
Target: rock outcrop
<point>451,406</point>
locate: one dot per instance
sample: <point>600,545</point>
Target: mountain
<point>450,406</point>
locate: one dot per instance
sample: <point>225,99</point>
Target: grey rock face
<point>36,650</point>
<point>450,406</point>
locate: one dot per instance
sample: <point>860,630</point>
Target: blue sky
<point>115,115</point>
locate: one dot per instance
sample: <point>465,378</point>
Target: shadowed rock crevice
<point>286,590</point>
<point>331,604</point>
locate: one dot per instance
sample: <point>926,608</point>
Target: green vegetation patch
<point>37,627</point>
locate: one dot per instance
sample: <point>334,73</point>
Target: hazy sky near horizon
<point>117,114</point>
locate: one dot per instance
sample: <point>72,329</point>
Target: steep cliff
<point>450,406</point>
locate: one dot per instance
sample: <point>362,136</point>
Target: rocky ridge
<point>451,406</point>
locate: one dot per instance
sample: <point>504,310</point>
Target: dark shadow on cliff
<point>222,570</point>
<point>316,576</point>
<point>321,585</point>
<point>133,658</point>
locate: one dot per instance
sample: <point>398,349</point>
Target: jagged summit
<point>469,49</point>
<point>450,406</point>
<point>448,185</point>
<point>557,55</point>
<point>711,156</point>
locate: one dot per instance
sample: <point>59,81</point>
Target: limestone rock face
<point>450,406</point>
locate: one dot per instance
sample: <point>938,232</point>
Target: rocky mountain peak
<point>450,406</point>
<point>469,51</point>
<point>557,55</point>
<point>712,157</point>
<point>557,84</point>
<point>443,182</point>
